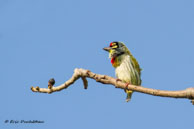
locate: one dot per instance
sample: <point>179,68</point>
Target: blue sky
<point>41,39</point>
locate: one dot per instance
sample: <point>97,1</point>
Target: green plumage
<point>126,66</point>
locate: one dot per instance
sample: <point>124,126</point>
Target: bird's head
<point>116,49</point>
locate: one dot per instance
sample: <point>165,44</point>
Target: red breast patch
<point>112,60</point>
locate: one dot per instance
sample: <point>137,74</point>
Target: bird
<point>127,69</point>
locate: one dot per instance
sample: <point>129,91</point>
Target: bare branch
<point>187,93</point>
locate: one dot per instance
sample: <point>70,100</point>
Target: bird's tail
<point>129,95</point>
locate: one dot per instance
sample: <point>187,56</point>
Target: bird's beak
<point>107,48</point>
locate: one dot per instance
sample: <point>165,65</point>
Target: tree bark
<point>83,74</point>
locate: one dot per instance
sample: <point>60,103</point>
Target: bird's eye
<point>113,45</point>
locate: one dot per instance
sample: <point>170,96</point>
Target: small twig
<point>187,93</point>
<point>85,82</point>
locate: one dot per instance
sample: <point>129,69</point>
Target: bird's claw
<point>126,85</point>
<point>117,79</point>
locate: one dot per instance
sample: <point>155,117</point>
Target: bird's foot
<point>126,85</point>
<point>116,82</point>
